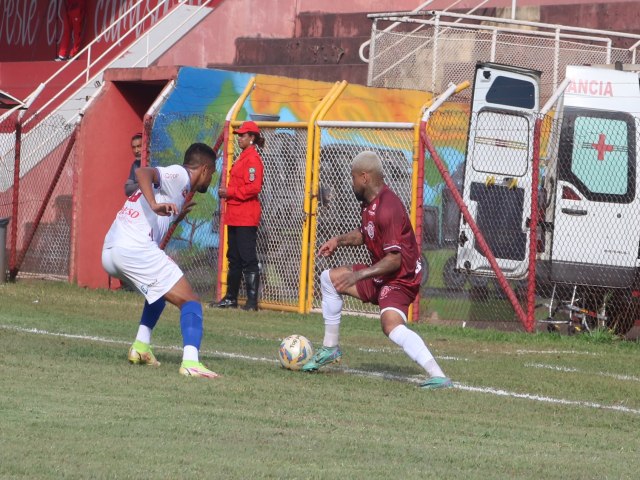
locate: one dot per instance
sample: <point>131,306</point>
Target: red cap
<point>247,127</point>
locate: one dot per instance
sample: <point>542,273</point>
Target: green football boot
<point>436,382</point>
<point>324,356</point>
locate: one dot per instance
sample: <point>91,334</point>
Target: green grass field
<point>524,406</point>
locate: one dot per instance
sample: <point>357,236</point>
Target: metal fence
<point>587,234</point>
<point>428,50</point>
<point>40,205</point>
<point>338,210</point>
<point>195,242</point>
<point>282,227</point>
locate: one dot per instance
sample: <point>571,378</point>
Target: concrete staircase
<point>325,47</point>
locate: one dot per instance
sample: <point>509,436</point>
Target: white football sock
<point>416,349</point>
<point>190,353</point>
<point>331,310</point>
<point>144,334</point>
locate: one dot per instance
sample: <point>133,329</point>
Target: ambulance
<point>588,242</point>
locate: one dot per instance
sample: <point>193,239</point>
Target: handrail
<point>415,30</point>
<point>389,28</point>
<point>92,63</point>
<point>492,28</point>
<point>527,23</point>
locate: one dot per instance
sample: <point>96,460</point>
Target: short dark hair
<point>136,136</point>
<point>198,154</point>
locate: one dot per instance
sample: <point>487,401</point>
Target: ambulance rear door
<point>497,179</point>
<point>596,222</point>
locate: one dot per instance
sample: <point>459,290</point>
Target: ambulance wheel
<point>453,279</point>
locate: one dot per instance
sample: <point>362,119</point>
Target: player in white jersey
<point>131,253</point>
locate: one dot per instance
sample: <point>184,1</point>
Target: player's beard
<point>359,195</point>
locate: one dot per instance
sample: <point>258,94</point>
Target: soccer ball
<point>295,351</point>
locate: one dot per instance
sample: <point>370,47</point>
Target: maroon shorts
<point>390,295</point>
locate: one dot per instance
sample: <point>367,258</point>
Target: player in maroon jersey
<point>392,281</point>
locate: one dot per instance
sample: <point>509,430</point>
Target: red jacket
<point>245,183</point>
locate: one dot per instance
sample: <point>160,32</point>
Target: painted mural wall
<point>196,109</point>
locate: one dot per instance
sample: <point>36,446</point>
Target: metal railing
<point>452,40</point>
<point>135,28</point>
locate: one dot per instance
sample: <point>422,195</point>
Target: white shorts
<point>149,269</point>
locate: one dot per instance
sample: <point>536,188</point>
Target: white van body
<point>593,180</point>
<point>590,229</point>
<point>497,176</point>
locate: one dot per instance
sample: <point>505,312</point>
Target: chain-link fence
<point>195,242</point>
<point>42,214</point>
<point>588,231</point>
<point>429,53</point>
<point>282,226</point>
<point>338,209</point>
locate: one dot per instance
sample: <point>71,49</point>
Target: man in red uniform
<point>242,216</point>
<point>72,22</point>
<point>392,281</point>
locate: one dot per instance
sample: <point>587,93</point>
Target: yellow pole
<point>331,99</point>
<point>230,150</point>
<point>302,285</point>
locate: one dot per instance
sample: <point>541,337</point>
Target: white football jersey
<point>136,224</point>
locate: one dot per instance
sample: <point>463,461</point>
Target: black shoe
<point>225,303</point>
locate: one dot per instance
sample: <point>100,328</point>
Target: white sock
<point>190,353</point>
<point>331,310</point>
<point>144,334</point>
<point>331,335</point>
<point>416,349</point>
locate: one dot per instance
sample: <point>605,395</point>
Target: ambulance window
<point>512,92</point>
<point>501,143</point>
<point>599,156</point>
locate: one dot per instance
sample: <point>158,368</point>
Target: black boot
<point>251,282</point>
<point>230,300</point>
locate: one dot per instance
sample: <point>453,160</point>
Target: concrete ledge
<point>144,74</point>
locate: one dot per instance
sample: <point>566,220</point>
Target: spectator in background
<point>242,216</point>
<point>131,185</point>
<point>73,12</point>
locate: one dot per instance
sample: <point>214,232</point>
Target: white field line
<point>559,368</point>
<point>399,350</point>
<point>554,352</point>
<point>366,373</point>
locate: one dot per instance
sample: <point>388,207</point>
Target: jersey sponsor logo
<point>370,229</point>
<point>252,174</point>
<point>128,212</point>
<point>145,288</point>
<point>170,176</point>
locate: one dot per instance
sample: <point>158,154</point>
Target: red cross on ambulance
<point>602,146</point>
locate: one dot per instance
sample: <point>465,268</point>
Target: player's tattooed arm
<point>353,238</point>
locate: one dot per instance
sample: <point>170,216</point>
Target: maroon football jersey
<point>386,228</point>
